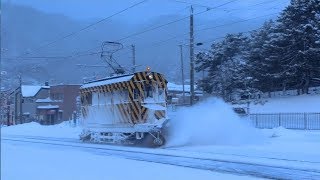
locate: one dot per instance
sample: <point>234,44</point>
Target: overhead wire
<point>160,26</point>
<point>165,24</point>
<point>86,27</point>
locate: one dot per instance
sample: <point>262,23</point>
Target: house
<point>176,95</point>
<point>45,104</point>
<point>24,99</point>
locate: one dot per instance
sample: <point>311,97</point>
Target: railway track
<point>153,155</point>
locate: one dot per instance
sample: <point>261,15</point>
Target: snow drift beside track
<point>211,122</point>
<point>62,130</point>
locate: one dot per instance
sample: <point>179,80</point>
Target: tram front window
<point>148,90</point>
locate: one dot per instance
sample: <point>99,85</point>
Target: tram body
<point>125,109</point>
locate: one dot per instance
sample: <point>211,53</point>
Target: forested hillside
<point>282,54</point>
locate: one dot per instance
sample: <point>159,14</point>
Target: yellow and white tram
<point>125,109</point>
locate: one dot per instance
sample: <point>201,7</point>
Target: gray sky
<point>88,9</point>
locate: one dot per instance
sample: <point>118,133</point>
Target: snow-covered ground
<point>209,131</point>
<point>289,104</point>
<point>25,161</point>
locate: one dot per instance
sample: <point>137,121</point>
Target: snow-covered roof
<point>179,88</point>
<point>46,100</point>
<point>108,81</point>
<point>176,87</point>
<point>31,90</point>
<point>48,107</point>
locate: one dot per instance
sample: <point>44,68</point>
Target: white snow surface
<point>212,122</point>
<point>30,90</point>
<point>38,162</point>
<point>154,106</point>
<point>177,87</point>
<point>290,104</point>
<point>46,100</point>
<point>108,81</point>
<point>207,130</point>
<point>49,163</point>
<point>48,106</point>
<point>63,130</point>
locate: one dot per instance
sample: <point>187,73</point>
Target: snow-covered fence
<point>308,121</point>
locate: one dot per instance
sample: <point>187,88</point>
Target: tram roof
<point>107,81</point>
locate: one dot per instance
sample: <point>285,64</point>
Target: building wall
<point>65,96</point>
<point>29,104</point>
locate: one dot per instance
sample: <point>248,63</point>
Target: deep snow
<point>211,122</point>
<point>209,130</point>
<point>25,161</point>
<point>289,104</point>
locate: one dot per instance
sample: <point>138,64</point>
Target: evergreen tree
<point>225,66</point>
<point>297,44</point>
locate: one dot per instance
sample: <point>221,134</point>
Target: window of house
<point>57,96</point>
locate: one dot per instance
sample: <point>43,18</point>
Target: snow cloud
<point>212,122</point>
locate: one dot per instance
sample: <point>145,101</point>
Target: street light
<point>191,69</point>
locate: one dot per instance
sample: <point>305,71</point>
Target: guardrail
<point>307,121</point>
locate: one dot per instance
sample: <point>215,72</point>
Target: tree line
<point>282,54</point>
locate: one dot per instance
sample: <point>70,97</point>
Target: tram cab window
<point>161,91</point>
<point>148,90</point>
<point>135,94</point>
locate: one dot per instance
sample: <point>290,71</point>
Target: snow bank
<point>295,104</point>
<point>212,122</point>
<point>62,130</point>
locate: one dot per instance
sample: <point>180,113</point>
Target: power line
<point>87,27</point>
<point>190,3</point>
<point>155,44</point>
<point>214,27</point>
<point>257,4</point>
<point>166,24</point>
<point>164,41</point>
<point>172,22</point>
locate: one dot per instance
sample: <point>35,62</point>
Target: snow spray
<point>212,122</point>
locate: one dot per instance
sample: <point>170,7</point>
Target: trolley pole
<point>133,58</point>
<point>182,74</point>
<point>191,58</point>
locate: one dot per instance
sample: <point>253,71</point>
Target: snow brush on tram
<point>125,109</point>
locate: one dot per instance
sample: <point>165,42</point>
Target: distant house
<point>44,104</point>
<point>24,100</point>
<point>175,94</point>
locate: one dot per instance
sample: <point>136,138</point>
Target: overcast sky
<point>88,9</point>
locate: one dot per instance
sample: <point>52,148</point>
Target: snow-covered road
<point>263,167</point>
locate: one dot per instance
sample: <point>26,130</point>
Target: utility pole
<point>191,58</point>
<point>8,113</point>
<point>133,58</point>
<point>20,99</point>
<point>182,74</point>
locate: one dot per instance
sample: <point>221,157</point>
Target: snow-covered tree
<point>296,44</point>
<point>282,54</point>
<point>225,65</point>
